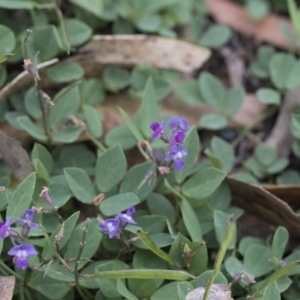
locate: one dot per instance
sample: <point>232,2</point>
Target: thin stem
<point>95,141</point>
<point>25,43</point>
<point>63,262</point>
<point>246,129</point>
<point>63,26</point>
<point>81,247</point>
<point>9,270</point>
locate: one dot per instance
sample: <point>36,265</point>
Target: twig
<point>76,275</point>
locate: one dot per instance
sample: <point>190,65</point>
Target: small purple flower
<point>158,129</point>
<point>126,218</point>
<point>179,123</point>
<point>5,228</point>
<point>110,227</point>
<point>176,154</point>
<point>177,137</point>
<point>27,222</point>
<point>20,253</point>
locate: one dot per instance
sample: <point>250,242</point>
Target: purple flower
<point>177,137</point>
<point>28,217</point>
<point>5,228</point>
<point>179,123</point>
<point>20,253</point>
<point>158,129</point>
<point>126,218</point>
<point>176,154</point>
<point>27,222</point>
<point>110,227</point>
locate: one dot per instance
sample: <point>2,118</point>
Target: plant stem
<point>47,238</point>
<point>95,141</point>
<point>81,247</point>
<point>9,270</point>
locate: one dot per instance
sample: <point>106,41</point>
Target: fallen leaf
<point>237,17</point>
<point>131,50</point>
<point>7,285</point>
<point>15,156</point>
<point>258,201</point>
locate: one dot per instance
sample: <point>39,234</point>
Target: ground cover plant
<point>129,174</point>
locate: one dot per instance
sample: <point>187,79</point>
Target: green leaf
<point>92,239</point>
<point>183,288</point>
<point>49,287</point>
<point>140,179</point>
<point>213,121</point>
<point>197,264</point>
<point>279,242</point>
<point>159,239</point>
<point>224,151</point>
<point>220,223</point>
<point>122,289</point>
<point>234,100</point>
<point>67,104</point>
<point>118,203</point>
<point>151,246</point>
<point>93,6</point>
<point>212,90</point>
<point>234,266</point>
<point>246,242</point>
<point>65,72</point>
<point>40,169</point>
<point>92,92</point>
<point>109,286</point>
<point>115,78</point>
<point>94,120</point>
<point>122,135</point>
<point>190,220</point>
<point>293,80</point>
<point>280,67</point>
<point>31,128</point>
<point>149,109</point>
<point>149,23</point>
<point>69,226</point>
<point>152,223</point>
<point>78,32</point>
<point>193,146</point>
<point>278,166</point>
<point>166,292</point>
<point>110,168</point>
<point>132,127</point>
<point>203,183</point>
<point>68,135</point>
<point>144,274</point>
<point>21,198</point>
<point>216,36</point>
<point>188,92</point>
<point>160,205</point>
<point>80,184</point>
<point>257,260</point>
<point>7,40</point>
<point>40,152</point>
<point>268,96</point>
<point>258,9</point>
<point>272,292</point>
<point>288,177</point>
<point>32,104</point>
<point>266,155</point>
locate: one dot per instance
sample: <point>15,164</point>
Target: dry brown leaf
<point>15,156</point>
<point>131,50</point>
<point>288,193</point>
<point>7,285</point>
<point>257,201</point>
<point>217,292</point>
<point>236,16</point>
<point>22,80</point>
